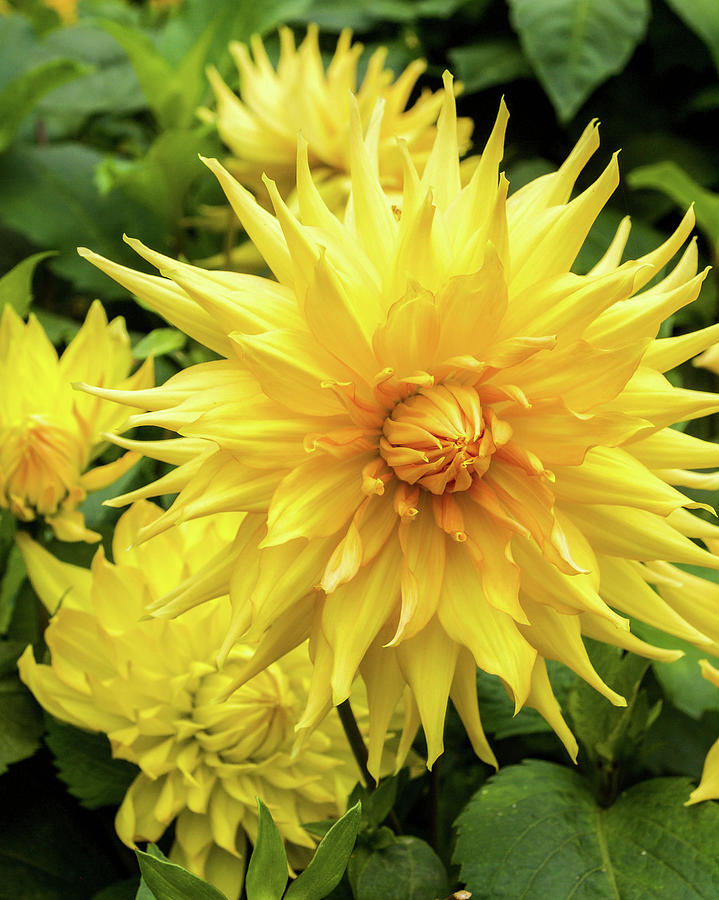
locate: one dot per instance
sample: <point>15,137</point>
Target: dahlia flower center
<point>253,724</point>
<point>40,464</point>
<point>440,438</point>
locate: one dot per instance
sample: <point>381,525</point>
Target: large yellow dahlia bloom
<point>260,126</point>
<point>153,687</point>
<point>461,448</point>
<point>50,433</point>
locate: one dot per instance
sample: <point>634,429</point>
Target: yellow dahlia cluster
<point>206,751</point>
<point>260,126</point>
<point>459,448</point>
<point>49,432</point>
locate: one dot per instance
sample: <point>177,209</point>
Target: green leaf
<point>482,65</point>
<point>159,342</point>
<point>20,722</point>
<point>47,193</point>
<point>9,654</point>
<point>16,285</point>
<point>498,716</point>
<point>168,881</point>
<point>409,869</point>
<point>119,890</point>
<point>110,87</point>
<point>172,93</point>
<point>154,73</point>
<point>376,804</point>
<point>59,329</point>
<point>612,734</point>
<point>359,15</point>
<point>267,872</point>
<point>84,763</point>
<point>22,93</point>
<point>17,40</point>
<point>160,180</point>
<point>677,744</point>
<point>12,576</point>
<point>50,849</point>
<point>672,180</point>
<point>327,866</point>
<point>535,831</point>
<point>702,16</point>
<point>143,891</point>
<point>682,680</point>
<point>575,45</point>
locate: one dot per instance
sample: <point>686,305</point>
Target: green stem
<point>354,737</point>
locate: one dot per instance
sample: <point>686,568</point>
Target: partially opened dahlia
<point>49,433</point>
<point>461,448</point>
<point>153,687</point>
<point>260,125</point>
<point>300,94</point>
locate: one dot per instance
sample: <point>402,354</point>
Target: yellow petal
<point>430,651</point>
<point>56,583</point>
<point>315,499</point>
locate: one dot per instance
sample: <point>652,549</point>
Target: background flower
<point>301,94</point>
<point>205,751</point>
<point>49,432</point>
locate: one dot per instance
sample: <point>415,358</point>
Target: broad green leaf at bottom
<point>535,831</point>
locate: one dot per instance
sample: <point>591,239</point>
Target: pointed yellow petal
<point>430,651</point>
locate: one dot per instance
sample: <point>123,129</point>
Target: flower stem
<point>354,737</point>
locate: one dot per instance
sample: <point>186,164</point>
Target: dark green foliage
<point>611,737</point>
<point>267,872</point>
<point>85,764</point>
<point>164,880</point>
<point>328,864</point>
<point>407,869</point>
<point>536,831</point>
<point>574,46</point>
<point>50,849</point>
<point>20,722</point>
<point>16,285</point>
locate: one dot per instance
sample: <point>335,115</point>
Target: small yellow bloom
<point>260,126</point>
<point>49,432</point>
<point>708,788</point>
<point>461,448</point>
<point>154,688</point>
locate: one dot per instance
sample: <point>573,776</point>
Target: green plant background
<point>99,137</point>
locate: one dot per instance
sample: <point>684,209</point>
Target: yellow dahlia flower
<point>153,687</point>
<point>708,788</point>
<point>260,126</point>
<point>49,432</point>
<point>461,448</point>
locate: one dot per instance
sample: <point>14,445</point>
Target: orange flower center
<point>40,465</point>
<point>441,438</point>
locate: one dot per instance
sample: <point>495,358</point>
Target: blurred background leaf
<point>574,45</point>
